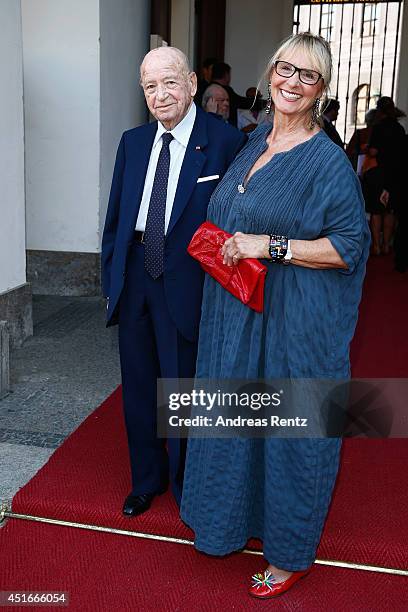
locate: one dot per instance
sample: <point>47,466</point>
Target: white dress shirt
<point>181,135</point>
<point>245,118</point>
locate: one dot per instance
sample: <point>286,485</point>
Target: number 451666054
<point>33,598</point>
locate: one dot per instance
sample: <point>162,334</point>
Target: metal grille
<point>365,40</point>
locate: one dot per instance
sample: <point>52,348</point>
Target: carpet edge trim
<point>5,513</point>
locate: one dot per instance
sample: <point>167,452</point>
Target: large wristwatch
<point>288,256</point>
<point>279,249</point>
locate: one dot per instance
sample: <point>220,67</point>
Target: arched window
<point>361,103</point>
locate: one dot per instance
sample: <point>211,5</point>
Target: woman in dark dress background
<point>383,186</point>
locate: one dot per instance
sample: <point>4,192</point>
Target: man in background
<point>206,77</point>
<point>330,115</point>
<point>221,74</point>
<point>216,101</point>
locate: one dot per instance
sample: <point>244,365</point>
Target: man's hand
<point>212,105</point>
<point>242,246</point>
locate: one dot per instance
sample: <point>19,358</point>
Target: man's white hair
<point>180,59</point>
<point>210,92</point>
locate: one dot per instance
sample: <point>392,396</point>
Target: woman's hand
<point>242,246</point>
<point>318,254</point>
<point>384,197</point>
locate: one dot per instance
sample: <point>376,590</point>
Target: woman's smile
<point>290,95</point>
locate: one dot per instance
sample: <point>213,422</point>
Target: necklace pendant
<point>241,188</point>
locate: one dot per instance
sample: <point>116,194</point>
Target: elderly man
<point>216,100</point>
<point>165,173</point>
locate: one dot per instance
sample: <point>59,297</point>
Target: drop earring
<point>315,113</point>
<point>268,106</point>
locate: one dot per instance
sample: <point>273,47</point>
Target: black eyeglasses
<point>306,76</point>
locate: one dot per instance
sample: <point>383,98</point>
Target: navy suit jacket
<point>211,148</point>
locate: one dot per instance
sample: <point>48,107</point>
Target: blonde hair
<point>316,47</point>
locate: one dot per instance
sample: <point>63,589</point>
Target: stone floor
<point>58,377</point>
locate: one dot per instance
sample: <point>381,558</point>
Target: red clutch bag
<point>245,281</point>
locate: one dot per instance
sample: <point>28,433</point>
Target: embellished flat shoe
<point>264,585</point>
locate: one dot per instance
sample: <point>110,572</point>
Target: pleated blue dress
<point>278,489</point>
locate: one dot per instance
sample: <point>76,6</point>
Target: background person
<point>387,196</point>
<point>331,112</point>
<point>153,287</point>
<point>221,74</point>
<point>205,80</point>
<point>357,148</point>
<point>290,197</point>
<point>216,100</point>
<point>249,119</point>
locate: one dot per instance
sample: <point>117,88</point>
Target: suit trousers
<point>150,347</point>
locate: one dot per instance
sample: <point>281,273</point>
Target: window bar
<point>349,71</point>
<point>330,24</point>
<point>310,17</point>
<point>383,51</point>
<point>372,58</point>
<point>295,6</point>
<point>297,22</point>
<point>359,67</point>
<point>341,38</point>
<point>320,19</point>
<point>396,49</point>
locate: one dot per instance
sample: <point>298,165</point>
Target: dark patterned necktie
<point>155,223</point>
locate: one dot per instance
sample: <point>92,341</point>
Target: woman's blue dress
<point>278,489</point>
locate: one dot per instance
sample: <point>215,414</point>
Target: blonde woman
<point>290,197</point>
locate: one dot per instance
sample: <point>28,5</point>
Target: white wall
<point>402,84</point>
<point>12,222</point>
<point>182,26</point>
<point>253,30</point>
<point>61,89</point>
<point>124,40</point>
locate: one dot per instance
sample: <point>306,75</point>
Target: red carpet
<point>380,345</point>
<point>87,479</point>
<point>111,573</point>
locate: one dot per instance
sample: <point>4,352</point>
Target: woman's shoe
<point>265,586</point>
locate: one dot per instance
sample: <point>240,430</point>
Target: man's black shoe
<point>137,504</point>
